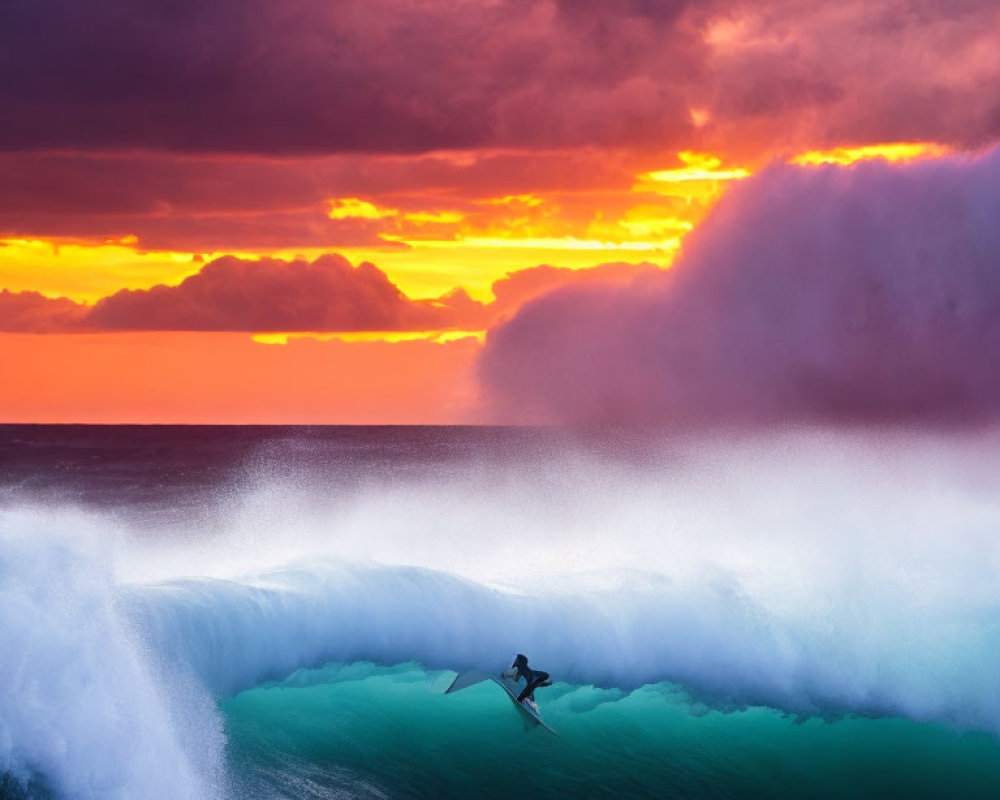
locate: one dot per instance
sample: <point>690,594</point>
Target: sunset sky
<point>295,211</point>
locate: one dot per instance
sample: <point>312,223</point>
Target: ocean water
<point>248,612</point>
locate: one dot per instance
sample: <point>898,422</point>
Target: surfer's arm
<point>510,674</point>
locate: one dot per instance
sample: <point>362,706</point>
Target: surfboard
<point>513,690</point>
<point>466,679</point>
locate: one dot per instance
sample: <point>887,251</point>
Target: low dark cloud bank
<point>861,294</point>
<point>31,312</point>
<point>231,294</point>
<point>269,294</point>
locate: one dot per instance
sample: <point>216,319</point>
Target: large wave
<point>812,575</point>
<point>712,636</point>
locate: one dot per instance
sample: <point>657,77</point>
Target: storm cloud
<point>284,76</point>
<point>307,76</point>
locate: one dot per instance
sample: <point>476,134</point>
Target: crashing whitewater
<point>809,596</point>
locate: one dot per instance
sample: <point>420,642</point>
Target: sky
<point>469,211</point>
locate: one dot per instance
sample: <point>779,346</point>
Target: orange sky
<point>376,378</point>
<point>427,241</point>
<point>430,240</point>
<point>402,172</point>
<point>229,378</point>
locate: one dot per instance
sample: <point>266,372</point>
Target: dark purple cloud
<point>206,233</point>
<point>31,312</point>
<point>311,76</point>
<point>869,293</point>
<point>231,294</point>
<point>314,76</point>
<point>219,204</point>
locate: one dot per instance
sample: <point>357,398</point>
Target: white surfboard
<point>513,690</point>
<point>466,679</point>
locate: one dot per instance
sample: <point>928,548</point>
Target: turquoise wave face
<point>366,731</point>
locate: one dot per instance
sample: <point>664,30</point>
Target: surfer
<point>533,678</point>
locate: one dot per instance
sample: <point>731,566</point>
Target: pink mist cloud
<point>864,294</point>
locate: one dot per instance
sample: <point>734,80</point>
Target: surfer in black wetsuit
<point>533,678</point>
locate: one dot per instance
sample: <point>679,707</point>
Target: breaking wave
<point>710,592</point>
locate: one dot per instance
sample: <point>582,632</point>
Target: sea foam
<point>84,710</point>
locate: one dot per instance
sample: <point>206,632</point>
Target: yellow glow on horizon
<point>430,269</point>
<point>896,151</point>
<point>86,272</point>
<point>544,243</point>
<point>697,167</point>
<point>528,200</point>
<point>444,217</point>
<point>657,227</point>
<point>456,336</point>
<point>440,337</point>
<point>424,269</point>
<point>356,208</point>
